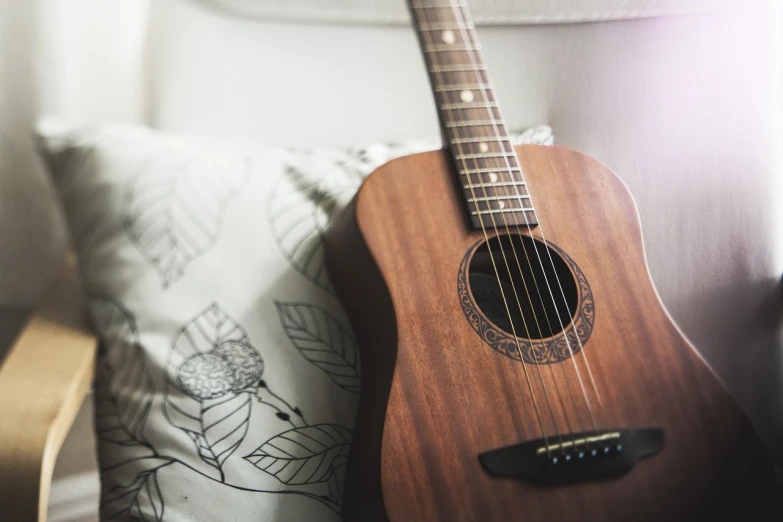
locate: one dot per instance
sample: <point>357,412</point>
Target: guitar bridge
<point>576,457</point>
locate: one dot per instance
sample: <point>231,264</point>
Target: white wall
<point>78,59</point>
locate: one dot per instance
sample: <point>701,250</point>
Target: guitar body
<point>437,394</point>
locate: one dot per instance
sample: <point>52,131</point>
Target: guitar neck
<point>471,122</point>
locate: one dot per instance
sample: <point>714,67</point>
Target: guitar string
<point>533,342</point>
<point>546,277</point>
<point>492,258</point>
<point>462,20</point>
<point>434,58</point>
<point>472,54</point>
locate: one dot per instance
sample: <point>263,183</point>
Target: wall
<point>77,59</point>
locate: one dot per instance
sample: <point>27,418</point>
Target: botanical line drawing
<point>304,201</point>
<point>214,378</point>
<point>123,400</point>
<point>174,210</point>
<point>323,341</point>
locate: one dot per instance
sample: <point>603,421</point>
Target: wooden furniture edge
<point>43,381</point>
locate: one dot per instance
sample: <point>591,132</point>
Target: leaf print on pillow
<point>212,374</point>
<point>124,388</point>
<point>316,185</point>
<point>174,209</point>
<point>336,480</point>
<point>123,400</point>
<point>303,203</point>
<point>140,499</point>
<point>307,455</point>
<point>223,424</point>
<point>323,341</point>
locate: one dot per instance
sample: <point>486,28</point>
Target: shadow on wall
<point>756,349</point>
<point>31,235</point>
<point>700,151</point>
<point>749,359</point>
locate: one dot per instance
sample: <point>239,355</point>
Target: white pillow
<point>229,376</point>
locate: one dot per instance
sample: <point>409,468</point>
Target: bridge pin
<point>619,448</point>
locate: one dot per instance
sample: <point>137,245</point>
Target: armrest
<point>43,382</point>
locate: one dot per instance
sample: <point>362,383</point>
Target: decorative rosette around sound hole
<point>547,330</point>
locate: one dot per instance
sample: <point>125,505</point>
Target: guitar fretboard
<point>472,125</point>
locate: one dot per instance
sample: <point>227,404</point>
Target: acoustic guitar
<point>518,364</point>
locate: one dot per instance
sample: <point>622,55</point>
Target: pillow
<point>228,374</point>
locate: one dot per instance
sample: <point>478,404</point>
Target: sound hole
<point>524,265</point>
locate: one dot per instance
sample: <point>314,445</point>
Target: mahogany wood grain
<point>435,395</point>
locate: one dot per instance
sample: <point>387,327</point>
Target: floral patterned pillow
<point>229,376</point>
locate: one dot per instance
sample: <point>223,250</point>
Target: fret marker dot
<point>448,37</point>
<point>493,177</point>
<point>466,96</point>
<point>501,204</point>
<point>483,147</point>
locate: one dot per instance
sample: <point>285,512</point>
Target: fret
<point>499,198</point>
<point>442,48</point>
<point>497,170</point>
<point>497,179</point>
<point>501,211</point>
<point>457,68</point>
<point>487,148</point>
<point>493,185</point>
<point>480,139</point>
<point>486,155</point>
<point>446,80</point>
<point>474,105</point>
<point>471,123</point>
<point>486,206</point>
<point>508,205</point>
<point>482,132</point>
<point>463,87</point>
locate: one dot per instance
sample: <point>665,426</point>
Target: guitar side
<point>435,395</point>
